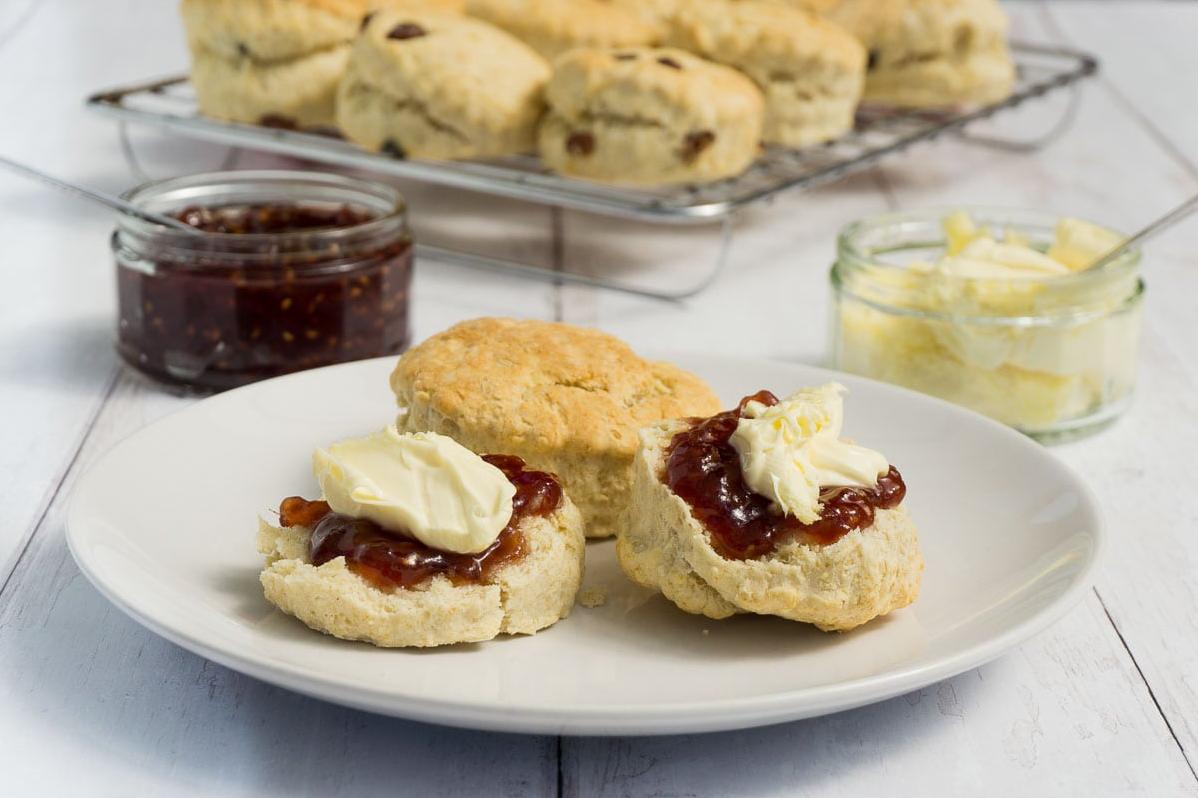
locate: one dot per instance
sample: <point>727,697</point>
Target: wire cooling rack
<point>169,104</point>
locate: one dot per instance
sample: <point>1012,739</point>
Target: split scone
<point>551,27</point>
<point>649,116</point>
<point>765,509</point>
<point>810,70</point>
<point>565,399</point>
<point>430,84</point>
<point>276,62</point>
<point>420,542</point>
<point>931,53</point>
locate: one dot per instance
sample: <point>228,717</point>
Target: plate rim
<point>702,716</point>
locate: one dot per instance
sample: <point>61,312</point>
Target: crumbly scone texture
<point>439,85</point>
<point>300,90</point>
<point>566,399</point>
<point>551,27</point>
<point>931,53</point>
<point>866,574</point>
<point>810,70</point>
<point>525,596</point>
<point>644,116</point>
<point>270,30</point>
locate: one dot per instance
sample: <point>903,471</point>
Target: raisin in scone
<point>644,116</point>
<point>419,542</point>
<point>811,71</point>
<point>931,53</point>
<point>438,85</point>
<point>826,541</point>
<point>565,399</point>
<point>272,61</point>
<point>551,27</point>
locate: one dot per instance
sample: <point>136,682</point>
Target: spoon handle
<point>1159,225</point>
<point>114,202</point>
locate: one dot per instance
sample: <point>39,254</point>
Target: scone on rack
<point>765,509</point>
<point>551,27</point>
<point>810,70</point>
<point>270,61</point>
<point>931,53</point>
<point>646,116</point>
<point>420,542</point>
<point>430,84</point>
<point>565,399</point>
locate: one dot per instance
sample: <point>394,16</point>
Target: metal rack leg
<point>500,265</point>
<point>1030,144</point>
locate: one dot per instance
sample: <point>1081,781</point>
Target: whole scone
<point>565,399</point>
<point>811,71</point>
<point>552,27</point>
<point>646,116</point>
<point>273,61</point>
<point>521,598</point>
<point>931,53</point>
<point>437,85</point>
<point>865,574</point>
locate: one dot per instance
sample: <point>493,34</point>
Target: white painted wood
<point>92,704</point>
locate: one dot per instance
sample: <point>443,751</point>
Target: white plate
<point>164,526</point>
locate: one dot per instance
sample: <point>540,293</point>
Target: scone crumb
<point>592,597</point>
<point>706,632</point>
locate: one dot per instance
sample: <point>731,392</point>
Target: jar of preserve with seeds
<point>289,271</point>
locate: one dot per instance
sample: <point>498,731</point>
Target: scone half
<point>521,597</point>
<point>865,574</point>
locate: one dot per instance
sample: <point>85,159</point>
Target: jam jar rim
<point>380,198</point>
<point>854,261</point>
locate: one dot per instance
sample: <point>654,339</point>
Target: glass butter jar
<point>1054,357</point>
<point>293,270</point>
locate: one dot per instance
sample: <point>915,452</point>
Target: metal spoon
<point>1160,224</point>
<point>112,201</point>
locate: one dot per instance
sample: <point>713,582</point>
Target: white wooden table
<point>1104,703</point>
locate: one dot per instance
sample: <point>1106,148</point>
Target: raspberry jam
<point>391,560</point>
<point>295,271</point>
<point>703,469</point>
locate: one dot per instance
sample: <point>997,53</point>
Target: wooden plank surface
<point>1101,704</point>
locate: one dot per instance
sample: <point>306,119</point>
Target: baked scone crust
<point>566,399</point>
<point>551,27</point>
<point>811,71</point>
<point>462,89</point>
<point>931,53</point>
<point>652,115</point>
<point>866,574</point>
<point>270,30</point>
<point>301,90</point>
<point>525,596</point>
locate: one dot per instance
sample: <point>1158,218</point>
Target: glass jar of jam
<point>291,271</point>
<point>1053,355</point>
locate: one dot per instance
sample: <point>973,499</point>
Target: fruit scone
<point>931,53</point>
<point>766,509</point>
<point>551,27</point>
<point>644,116</point>
<point>565,399</point>
<point>270,61</point>
<point>811,71</point>
<point>418,541</point>
<point>431,84</point>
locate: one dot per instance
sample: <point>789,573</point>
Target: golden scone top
<point>655,83</point>
<point>922,26</point>
<point>763,33</point>
<point>550,384</point>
